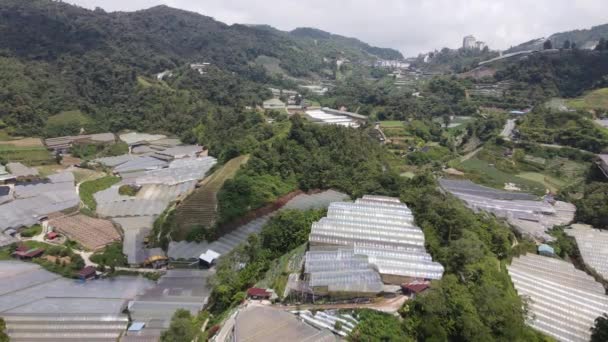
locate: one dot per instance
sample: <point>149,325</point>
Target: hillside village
<point>338,192</point>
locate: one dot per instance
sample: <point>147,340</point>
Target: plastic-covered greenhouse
<point>563,301</point>
<point>374,235</point>
<point>592,244</point>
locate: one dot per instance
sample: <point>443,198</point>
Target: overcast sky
<point>411,26</point>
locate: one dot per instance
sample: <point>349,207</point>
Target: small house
<point>414,288</point>
<point>258,293</point>
<point>25,253</point>
<point>51,235</point>
<point>89,272</point>
<point>207,259</point>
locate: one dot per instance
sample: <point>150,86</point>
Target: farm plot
<point>29,155</point>
<point>200,208</point>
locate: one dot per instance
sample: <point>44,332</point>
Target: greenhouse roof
<point>593,245</point>
<point>563,301</point>
<point>375,234</point>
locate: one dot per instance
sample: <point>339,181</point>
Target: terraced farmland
<point>200,208</point>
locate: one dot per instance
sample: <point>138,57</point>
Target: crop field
<point>31,156</point>
<point>200,208</point>
<point>597,99</point>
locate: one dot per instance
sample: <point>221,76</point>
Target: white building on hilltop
<point>468,42</point>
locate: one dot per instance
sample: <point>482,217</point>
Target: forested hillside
<point>58,57</point>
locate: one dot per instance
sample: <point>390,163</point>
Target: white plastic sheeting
<point>563,301</point>
<point>593,245</point>
<point>375,234</point>
<point>36,200</point>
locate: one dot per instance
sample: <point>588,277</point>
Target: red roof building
<point>258,293</point>
<point>415,287</point>
<point>23,252</point>
<point>87,273</point>
<point>51,235</point>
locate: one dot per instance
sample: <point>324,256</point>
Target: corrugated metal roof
<point>181,151</point>
<point>141,163</point>
<point>115,161</point>
<point>135,137</point>
<point>181,170</point>
<point>38,199</point>
<point>134,207</point>
<point>20,170</point>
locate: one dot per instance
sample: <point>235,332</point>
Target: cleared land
<point>200,208</point>
<point>597,99</point>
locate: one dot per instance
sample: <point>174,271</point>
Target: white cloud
<point>412,26</point>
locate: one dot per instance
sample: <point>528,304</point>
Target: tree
<point>181,328</point>
<point>338,325</point>
<point>599,332</point>
<point>446,120</point>
<point>566,45</point>
<point>573,46</point>
<point>547,45</point>
<point>3,335</point>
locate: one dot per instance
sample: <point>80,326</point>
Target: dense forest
<point>565,73</point>
<point>56,57</point>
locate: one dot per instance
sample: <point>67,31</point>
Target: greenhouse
<point>563,302</point>
<point>593,245</point>
<point>359,246</point>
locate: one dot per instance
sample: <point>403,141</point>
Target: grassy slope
<point>68,117</point>
<point>597,99</point>
<point>200,208</point>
